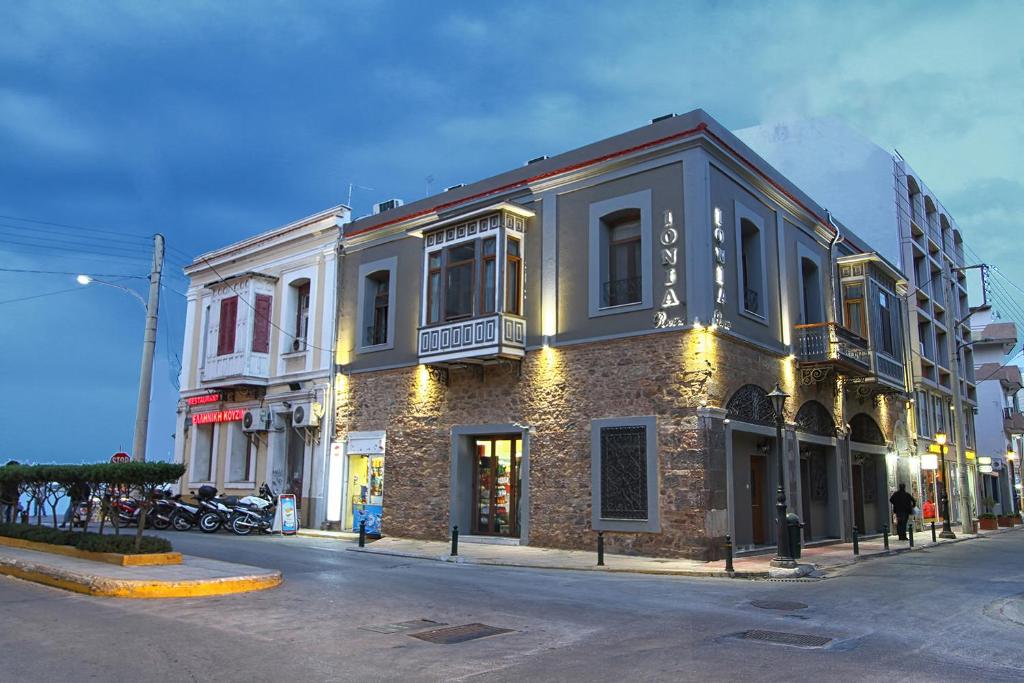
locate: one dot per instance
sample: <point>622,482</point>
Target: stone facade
<point>678,376</point>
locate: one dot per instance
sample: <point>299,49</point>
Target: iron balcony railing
<point>752,300</point>
<point>821,343</point>
<point>620,292</point>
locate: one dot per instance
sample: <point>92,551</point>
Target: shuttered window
<point>226,331</point>
<point>624,472</point>
<point>261,326</point>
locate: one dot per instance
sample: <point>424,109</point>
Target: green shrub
<point>123,544</point>
<point>86,541</point>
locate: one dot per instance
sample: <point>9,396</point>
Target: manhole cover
<point>402,626</point>
<point>784,605</point>
<point>783,638</point>
<point>459,634</point>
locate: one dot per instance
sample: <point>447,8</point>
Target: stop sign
<point>120,457</point>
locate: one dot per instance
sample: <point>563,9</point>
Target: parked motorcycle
<point>217,510</point>
<point>159,514</point>
<point>254,513</point>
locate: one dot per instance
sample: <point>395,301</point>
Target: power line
<point>79,288</point>
<point>36,248</point>
<point>76,227</point>
<point>66,272</point>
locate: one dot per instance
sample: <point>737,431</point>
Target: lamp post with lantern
<point>784,554</point>
<point>1011,455</point>
<point>947,531</point>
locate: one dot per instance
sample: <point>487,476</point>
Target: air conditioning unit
<point>256,420</point>
<point>381,207</point>
<point>307,415</point>
<point>298,344</point>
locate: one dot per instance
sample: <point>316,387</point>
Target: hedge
<point>86,541</point>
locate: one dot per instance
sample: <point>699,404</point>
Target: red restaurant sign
<point>218,416</point>
<point>202,400</point>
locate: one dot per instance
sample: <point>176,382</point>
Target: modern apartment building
<point>257,363</point>
<point>1000,419</point>
<point>879,196</point>
<point>588,342</point>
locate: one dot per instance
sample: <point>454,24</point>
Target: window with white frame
<point>938,415</point>
<point>375,317</point>
<point>202,452</point>
<point>240,454</point>
<point>300,292</point>
<point>624,471</point>
<point>921,410</point>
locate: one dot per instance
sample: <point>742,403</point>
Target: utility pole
<point>148,347</point>
<point>959,421</point>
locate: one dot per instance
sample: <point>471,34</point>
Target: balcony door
<point>496,485</point>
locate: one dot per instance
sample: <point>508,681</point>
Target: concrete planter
<point>145,559</point>
<point>988,524</point>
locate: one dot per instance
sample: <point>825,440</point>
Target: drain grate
<point>784,605</point>
<point>459,634</point>
<point>402,626</point>
<point>783,638</point>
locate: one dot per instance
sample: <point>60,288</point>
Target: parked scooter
<point>187,515</point>
<point>217,511</point>
<point>255,513</point>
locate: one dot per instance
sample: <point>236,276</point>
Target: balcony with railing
<point>1013,420</point>
<point>832,346</point>
<point>500,335</point>
<point>474,304</point>
<point>241,367</point>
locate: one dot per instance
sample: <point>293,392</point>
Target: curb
<point>720,573</point>
<point>88,584</point>
<point>120,559</point>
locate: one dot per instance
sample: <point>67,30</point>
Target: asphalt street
<point>945,614</point>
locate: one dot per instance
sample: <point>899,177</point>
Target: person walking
<point>902,505</point>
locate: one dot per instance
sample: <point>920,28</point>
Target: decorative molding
<point>750,403</point>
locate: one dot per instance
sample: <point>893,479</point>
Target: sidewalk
<point>194,577</point>
<point>817,561</point>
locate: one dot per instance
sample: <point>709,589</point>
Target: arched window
<point>750,403</point>
<point>864,429</point>
<point>621,267</point>
<point>814,418</point>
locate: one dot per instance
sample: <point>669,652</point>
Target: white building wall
<point>840,169</point>
<point>989,420</point>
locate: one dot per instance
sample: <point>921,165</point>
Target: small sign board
<point>289,514</point>
<point>120,457</point>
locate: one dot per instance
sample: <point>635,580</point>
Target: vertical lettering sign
<point>718,250</point>
<point>668,240</point>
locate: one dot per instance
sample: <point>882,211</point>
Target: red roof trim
<point>699,128</point>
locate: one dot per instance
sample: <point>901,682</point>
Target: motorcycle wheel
<point>239,526</point>
<point>180,522</point>
<point>161,523</point>
<point>209,522</point>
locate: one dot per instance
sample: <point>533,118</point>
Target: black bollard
<point>885,535</point>
<point>728,553</point>
<point>600,548</point>
<point>362,533</point>
<point>933,532</point>
<point>856,541</point>
<point>910,530</point>
<point>455,540</point>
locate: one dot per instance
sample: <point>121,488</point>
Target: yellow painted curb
<point>145,559</point>
<point>133,588</point>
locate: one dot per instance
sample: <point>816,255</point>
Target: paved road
<point>950,613</point>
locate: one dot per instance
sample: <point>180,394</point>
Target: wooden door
<point>858,498</point>
<point>758,470</point>
<point>805,497</point>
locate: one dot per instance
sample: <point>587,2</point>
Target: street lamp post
<point>151,305</point>
<point>1011,455</point>
<point>784,554</point>
<point>947,531</point>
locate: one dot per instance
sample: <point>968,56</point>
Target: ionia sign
<point>217,416</point>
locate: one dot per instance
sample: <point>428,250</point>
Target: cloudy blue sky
<point>209,122</point>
